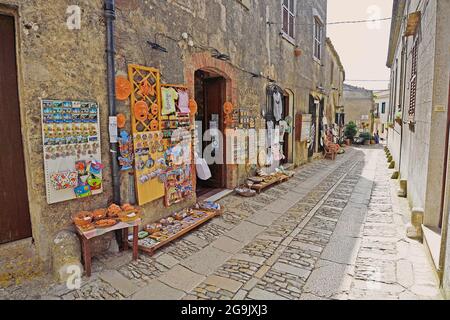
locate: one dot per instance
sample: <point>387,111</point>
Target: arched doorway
<point>210,93</point>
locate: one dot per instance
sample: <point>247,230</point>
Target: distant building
<point>359,107</point>
<point>381,112</point>
<point>334,84</point>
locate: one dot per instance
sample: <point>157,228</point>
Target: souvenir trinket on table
<point>71,142</point>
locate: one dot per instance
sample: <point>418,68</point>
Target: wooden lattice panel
<point>147,88</point>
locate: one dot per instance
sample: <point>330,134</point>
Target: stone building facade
<point>359,106</point>
<point>419,59</point>
<point>382,112</point>
<point>334,84</point>
<point>57,62</point>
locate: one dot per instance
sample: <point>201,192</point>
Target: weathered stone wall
<point>334,79</point>
<point>55,62</point>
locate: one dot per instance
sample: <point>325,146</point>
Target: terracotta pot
<point>297,52</point>
<point>348,142</point>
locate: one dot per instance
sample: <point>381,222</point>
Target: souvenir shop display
<point>264,180</point>
<point>168,229</point>
<point>71,145</point>
<point>105,217</point>
<point>126,156</point>
<point>146,117</point>
<point>90,225</point>
<point>162,131</point>
<point>177,128</point>
<point>150,165</point>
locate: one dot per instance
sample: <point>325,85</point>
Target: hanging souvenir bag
<point>203,171</point>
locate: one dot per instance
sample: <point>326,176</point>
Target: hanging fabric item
<point>277,105</point>
<point>283,129</point>
<point>183,101</point>
<point>169,95</point>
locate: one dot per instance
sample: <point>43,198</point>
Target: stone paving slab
<point>119,282</point>
<point>224,283</point>
<point>259,294</point>
<point>227,244</point>
<point>245,232</point>
<point>156,290</point>
<point>207,260</point>
<point>181,278</point>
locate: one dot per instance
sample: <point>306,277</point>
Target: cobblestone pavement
<point>334,231</point>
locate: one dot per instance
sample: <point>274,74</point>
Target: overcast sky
<point>362,47</point>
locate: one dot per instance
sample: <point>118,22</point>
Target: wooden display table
<point>85,236</point>
<point>151,250</point>
<point>267,184</point>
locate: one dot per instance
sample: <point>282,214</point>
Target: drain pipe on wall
<point>110,16</point>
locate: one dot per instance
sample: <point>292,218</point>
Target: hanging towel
<point>277,106</point>
<point>183,101</point>
<point>169,95</point>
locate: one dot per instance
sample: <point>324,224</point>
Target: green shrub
<point>350,130</point>
<point>365,136</point>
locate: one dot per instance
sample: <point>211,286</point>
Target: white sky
<point>362,47</point>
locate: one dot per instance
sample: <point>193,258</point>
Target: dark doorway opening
<point>15,221</point>
<point>210,94</point>
<point>313,112</point>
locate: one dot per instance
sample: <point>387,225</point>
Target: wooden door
<point>15,221</point>
<point>214,91</point>
<point>286,106</point>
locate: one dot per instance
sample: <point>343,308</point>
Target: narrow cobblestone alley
<point>334,231</point>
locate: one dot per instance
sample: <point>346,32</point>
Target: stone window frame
<point>318,30</point>
<point>287,5</point>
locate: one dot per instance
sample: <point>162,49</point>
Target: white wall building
<point>381,112</point>
<point>419,59</point>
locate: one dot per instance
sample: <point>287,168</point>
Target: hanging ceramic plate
<point>155,110</point>
<point>123,88</point>
<point>193,106</point>
<point>121,121</point>
<point>154,125</point>
<point>145,89</point>
<point>228,108</point>
<point>141,111</point>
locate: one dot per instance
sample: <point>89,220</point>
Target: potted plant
<point>398,118</point>
<point>366,137</point>
<point>350,132</point>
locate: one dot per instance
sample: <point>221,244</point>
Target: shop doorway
<point>313,112</point>
<point>288,140</point>
<point>210,94</point>
<point>15,221</point>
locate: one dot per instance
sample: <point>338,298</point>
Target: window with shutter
<point>288,14</point>
<point>413,82</point>
<point>318,31</point>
